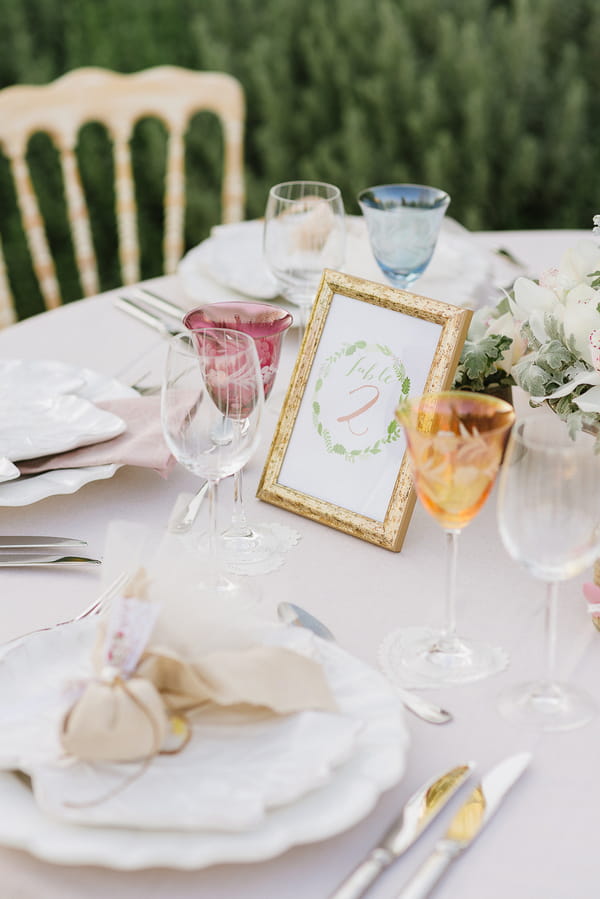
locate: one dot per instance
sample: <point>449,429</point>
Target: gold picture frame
<point>350,472</point>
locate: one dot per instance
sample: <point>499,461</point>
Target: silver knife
<point>15,542</point>
<point>466,824</point>
<point>163,305</point>
<point>144,315</point>
<point>420,810</point>
<point>22,559</point>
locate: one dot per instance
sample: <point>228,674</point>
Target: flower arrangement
<point>544,336</point>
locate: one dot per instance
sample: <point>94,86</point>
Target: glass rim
<point>285,320</point>
<point>335,192</point>
<point>538,442</point>
<point>440,194</point>
<point>412,404</point>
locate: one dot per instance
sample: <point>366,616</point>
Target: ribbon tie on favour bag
<point>119,716</point>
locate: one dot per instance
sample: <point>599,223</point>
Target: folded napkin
<point>136,704</point>
<point>141,444</point>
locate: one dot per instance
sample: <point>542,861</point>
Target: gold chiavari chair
<point>169,93</point>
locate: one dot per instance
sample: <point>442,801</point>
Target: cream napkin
<point>141,444</point>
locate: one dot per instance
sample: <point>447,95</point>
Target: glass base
<point>421,657</point>
<point>250,545</point>
<point>256,550</point>
<point>547,706</point>
<point>223,588</point>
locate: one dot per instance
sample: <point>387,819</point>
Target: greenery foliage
<point>496,101</point>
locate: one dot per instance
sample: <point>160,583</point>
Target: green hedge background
<point>496,102</point>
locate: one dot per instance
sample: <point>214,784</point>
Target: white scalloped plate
<point>54,424</point>
<point>59,378</point>
<point>338,799</point>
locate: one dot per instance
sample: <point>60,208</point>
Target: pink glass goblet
<point>266,324</point>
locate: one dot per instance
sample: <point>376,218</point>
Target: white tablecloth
<point>542,843</point>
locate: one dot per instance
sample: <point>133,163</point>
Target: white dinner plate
<point>233,257</point>
<point>340,798</point>
<point>460,271</point>
<point>21,380</point>
<point>58,377</point>
<point>45,425</point>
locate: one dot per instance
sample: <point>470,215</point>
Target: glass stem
<point>451,567</point>
<point>550,630</point>
<point>213,543</point>
<point>239,523</point>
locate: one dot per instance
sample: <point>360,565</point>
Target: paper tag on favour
<point>132,619</point>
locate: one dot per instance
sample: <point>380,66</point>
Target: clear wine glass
<point>549,520</point>
<point>304,233</point>
<point>211,406</point>
<point>455,442</point>
<point>403,221</point>
<point>266,324</point>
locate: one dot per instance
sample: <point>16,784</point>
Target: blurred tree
<point>496,101</point>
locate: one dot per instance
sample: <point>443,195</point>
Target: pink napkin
<point>141,444</point>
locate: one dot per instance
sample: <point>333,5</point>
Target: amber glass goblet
<point>455,441</point>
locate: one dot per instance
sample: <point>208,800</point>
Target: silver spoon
<point>292,614</point>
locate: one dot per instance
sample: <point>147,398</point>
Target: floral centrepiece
<point>544,336</point>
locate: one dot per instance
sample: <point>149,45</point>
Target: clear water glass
<point>211,407</point>
<point>267,324</point>
<point>304,233</point>
<point>549,521</point>
<point>403,222</point>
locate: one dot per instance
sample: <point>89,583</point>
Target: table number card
<point>338,455</point>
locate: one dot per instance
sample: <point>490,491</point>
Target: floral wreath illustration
<point>393,429</point>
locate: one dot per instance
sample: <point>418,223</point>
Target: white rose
<point>581,319</point>
<point>529,297</point>
<point>506,326</point>
<point>578,263</point>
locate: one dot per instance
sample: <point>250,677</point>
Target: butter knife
<point>22,559</point>
<point>467,823</point>
<point>420,810</point>
<point>35,543</point>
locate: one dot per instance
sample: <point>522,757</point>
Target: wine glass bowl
<point>549,522</point>
<point>265,323</point>
<point>455,442</point>
<point>403,223</point>
<point>304,233</point>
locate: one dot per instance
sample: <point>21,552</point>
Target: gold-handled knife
<point>467,823</point>
<point>420,810</point>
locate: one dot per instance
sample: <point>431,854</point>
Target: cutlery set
<point>18,551</point>
<point>144,305</point>
<point>420,810</point>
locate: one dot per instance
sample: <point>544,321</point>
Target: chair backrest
<point>61,108</point>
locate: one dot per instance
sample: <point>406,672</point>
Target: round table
<point>542,841</point>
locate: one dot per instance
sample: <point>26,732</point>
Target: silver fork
<point>94,608</point>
